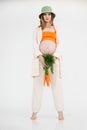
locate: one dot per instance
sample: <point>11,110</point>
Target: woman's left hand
<point>56,58</point>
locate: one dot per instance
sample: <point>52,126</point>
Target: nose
<point>47,15</point>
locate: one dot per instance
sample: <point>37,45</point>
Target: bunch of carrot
<point>49,61</point>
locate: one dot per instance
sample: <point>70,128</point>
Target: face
<point>47,17</point>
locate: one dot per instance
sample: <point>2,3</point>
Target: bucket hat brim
<point>46,9</point>
<point>46,12</point>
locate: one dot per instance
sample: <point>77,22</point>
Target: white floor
<point>14,120</point>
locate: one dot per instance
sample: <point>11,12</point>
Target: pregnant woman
<point>47,50</point>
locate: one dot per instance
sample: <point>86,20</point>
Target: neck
<point>48,25</point>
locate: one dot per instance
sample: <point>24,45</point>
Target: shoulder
<point>37,29</point>
<point>56,28</point>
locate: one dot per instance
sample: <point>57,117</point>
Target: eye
<point>49,13</point>
<point>44,14</point>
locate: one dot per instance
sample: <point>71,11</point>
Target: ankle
<point>60,115</point>
<point>60,112</point>
<point>34,116</point>
<point>34,113</point>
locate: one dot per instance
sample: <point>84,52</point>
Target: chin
<point>47,21</point>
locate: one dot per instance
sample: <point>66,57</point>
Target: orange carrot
<point>47,79</point>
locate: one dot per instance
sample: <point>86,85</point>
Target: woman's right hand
<point>41,59</point>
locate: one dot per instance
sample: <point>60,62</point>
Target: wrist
<point>39,56</point>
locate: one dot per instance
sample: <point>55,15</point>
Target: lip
<point>47,19</point>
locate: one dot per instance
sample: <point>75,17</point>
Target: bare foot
<point>60,116</point>
<point>34,116</point>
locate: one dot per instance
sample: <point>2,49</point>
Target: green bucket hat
<point>46,9</point>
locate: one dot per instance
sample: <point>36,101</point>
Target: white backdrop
<point>17,23</point>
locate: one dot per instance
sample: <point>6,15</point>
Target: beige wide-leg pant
<point>56,86</point>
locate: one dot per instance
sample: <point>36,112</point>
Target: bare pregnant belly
<point>47,47</point>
